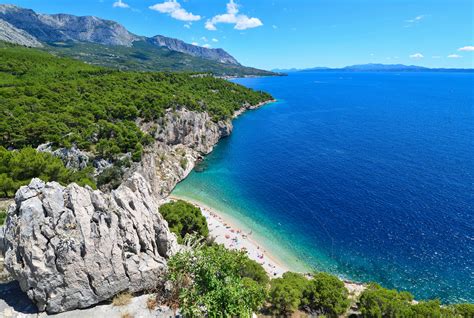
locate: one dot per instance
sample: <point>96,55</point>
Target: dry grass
<point>151,303</point>
<point>122,299</point>
<point>126,315</point>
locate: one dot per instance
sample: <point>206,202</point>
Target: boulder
<point>73,247</point>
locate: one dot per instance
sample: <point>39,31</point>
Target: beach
<point>232,237</point>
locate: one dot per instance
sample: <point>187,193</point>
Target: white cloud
<point>195,44</point>
<point>120,4</point>
<point>454,56</point>
<point>416,19</point>
<point>215,40</point>
<point>240,21</point>
<point>204,39</point>
<point>416,56</point>
<point>468,48</point>
<point>206,45</point>
<point>174,9</point>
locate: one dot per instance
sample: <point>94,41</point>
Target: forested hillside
<point>44,98</point>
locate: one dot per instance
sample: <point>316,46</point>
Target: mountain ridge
<point>375,67</point>
<point>50,28</point>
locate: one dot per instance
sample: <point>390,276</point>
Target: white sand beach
<point>226,233</point>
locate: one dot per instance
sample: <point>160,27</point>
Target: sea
<point>368,176</point>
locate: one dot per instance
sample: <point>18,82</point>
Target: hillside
<point>87,36</point>
<point>64,102</point>
<point>143,56</point>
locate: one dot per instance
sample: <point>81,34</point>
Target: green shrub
<point>461,310</point>
<point>17,168</point>
<point>326,294</point>
<point>286,293</point>
<point>184,218</point>
<point>3,216</point>
<point>209,283</point>
<point>376,302</point>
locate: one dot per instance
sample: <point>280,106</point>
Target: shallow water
<point>366,175</point>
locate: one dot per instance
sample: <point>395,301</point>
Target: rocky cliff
<point>72,247</point>
<point>10,34</point>
<point>180,46</point>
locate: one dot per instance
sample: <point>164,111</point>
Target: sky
<point>272,34</point>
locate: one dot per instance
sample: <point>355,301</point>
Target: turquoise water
<point>366,175</point>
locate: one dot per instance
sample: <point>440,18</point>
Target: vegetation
<point>209,282</point>
<point>321,294</point>
<point>143,56</point>
<point>3,217</point>
<point>378,302</point>
<point>184,218</point>
<point>17,168</point>
<point>44,98</point>
<point>122,299</point>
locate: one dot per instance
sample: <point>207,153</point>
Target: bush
<point>286,293</point>
<point>184,218</point>
<point>17,168</point>
<point>209,282</point>
<point>3,216</point>
<point>460,310</point>
<point>321,294</point>
<point>376,301</point>
<point>326,294</point>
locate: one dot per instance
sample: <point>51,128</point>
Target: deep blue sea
<point>365,175</point>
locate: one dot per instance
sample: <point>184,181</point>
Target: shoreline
<point>232,237</point>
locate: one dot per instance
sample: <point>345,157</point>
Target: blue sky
<point>300,33</point>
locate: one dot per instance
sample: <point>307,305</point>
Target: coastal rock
<point>73,247</point>
<point>182,137</point>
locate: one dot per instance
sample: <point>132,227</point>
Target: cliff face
<point>72,247</point>
<point>180,46</point>
<point>182,138</point>
<point>10,34</point>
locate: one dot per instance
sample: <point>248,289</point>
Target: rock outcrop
<point>182,138</point>
<point>73,247</point>
<point>10,34</point>
<point>218,55</point>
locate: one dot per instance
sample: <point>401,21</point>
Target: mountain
<point>383,68</point>
<point>9,33</point>
<point>180,46</point>
<point>95,40</point>
<point>371,67</point>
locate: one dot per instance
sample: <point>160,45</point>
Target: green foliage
<point>17,168</point>
<point>3,216</point>
<point>326,294</point>
<point>210,283</point>
<point>376,301</point>
<point>321,294</point>
<point>286,293</point>
<point>44,98</point>
<point>184,218</point>
<point>143,56</point>
<point>458,311</point>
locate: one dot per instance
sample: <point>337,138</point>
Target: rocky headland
<point>73,247</point>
